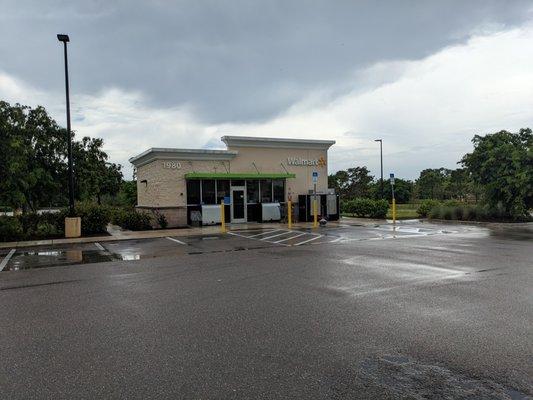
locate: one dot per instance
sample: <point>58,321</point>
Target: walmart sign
<point>298,161</point>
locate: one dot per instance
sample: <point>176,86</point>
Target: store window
<point>279,190</point>
<point>193,192</point>
<point>266,191</point>
<point>252,192</point>
<point>208,191</point>
<point>222,190</point>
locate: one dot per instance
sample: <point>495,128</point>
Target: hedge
<point>363,207</point>
<point>94,220</point>
<point>454,210</point>
<point>131,219</point>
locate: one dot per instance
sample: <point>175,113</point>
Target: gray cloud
<point>233,61</point>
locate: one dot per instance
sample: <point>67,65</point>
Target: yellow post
<point>289,213</point>
<point>222,217</point>
<point>315,214</point>
<point>393,210</point>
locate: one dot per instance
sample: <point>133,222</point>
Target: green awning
<point>219,175</point>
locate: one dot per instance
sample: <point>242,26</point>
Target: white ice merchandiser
<point>210,214</point>
<point>270,212</point>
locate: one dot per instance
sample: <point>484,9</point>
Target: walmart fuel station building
<point>253,177</point>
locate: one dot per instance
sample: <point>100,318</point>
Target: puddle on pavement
<point>51,258</point>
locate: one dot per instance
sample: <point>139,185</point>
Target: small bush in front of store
<point>42,226</point>
<point>161,219</point>
<point>10,229</point>
<point>94,217</point>
<point>131,219</point>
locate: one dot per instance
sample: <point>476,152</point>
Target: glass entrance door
<point>238,204</point>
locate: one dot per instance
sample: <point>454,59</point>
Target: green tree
<point>432,183</point>
<point>403,190</point>
<point>339,181</point>
<point>128,193</point>
<point>352,183</point>
<point>459,185</point>
<point>502,165</point>
<point>32,166</point>
<point>94,175</point>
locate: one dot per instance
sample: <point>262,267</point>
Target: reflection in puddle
<point>52,258</point>
<point>128,257</point>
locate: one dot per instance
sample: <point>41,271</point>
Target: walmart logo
<point>319,162</point>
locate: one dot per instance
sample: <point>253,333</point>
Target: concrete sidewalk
<point>117,233</point>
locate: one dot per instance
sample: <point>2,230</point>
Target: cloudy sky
<point>423,75</point>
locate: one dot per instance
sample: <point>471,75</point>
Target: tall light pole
<point>381,156</point>
<point>65,39</point>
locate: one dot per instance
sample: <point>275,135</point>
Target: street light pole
<point>381,156</point>
<point>65,39</point>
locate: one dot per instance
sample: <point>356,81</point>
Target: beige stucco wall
<point>166,187</point>
<point>270,160</point>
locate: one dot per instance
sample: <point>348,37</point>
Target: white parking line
<point>289,238</point>
<point>336,240</point>
<point>100,247</point>
<point>247,237</point>
<point>262,233</point>
<point>279,234</point>
<point>307,241</point>
<point>177,241</point>
<point>6,259</point>
<point>236,234</point>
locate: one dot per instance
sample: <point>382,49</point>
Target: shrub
<point>363,207</point>
<point>448,212</point>
<point>10,229</point>
<point>94,218</point>
<point>346,206</point>
<point>161,219</point>
<point>452,203</point>
<point>426,206</point>
<point>29,222</point>
<point>132,220</point>
<point>45,230</point>
<point>380,209</point>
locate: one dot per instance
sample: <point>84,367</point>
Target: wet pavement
<point>421,311</point>
<point>235,240</point>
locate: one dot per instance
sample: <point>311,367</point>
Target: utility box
<point>270,212</point>
<point>327,207</point>
<point>331,201</point>
<point>211,214</point>
<point>72,227</point>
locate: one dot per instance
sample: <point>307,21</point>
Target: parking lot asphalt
<point>420,311</point>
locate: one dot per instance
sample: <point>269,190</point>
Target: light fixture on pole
<point>65,39</point>
<point>381,156</point>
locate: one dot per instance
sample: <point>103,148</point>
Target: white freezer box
<point>270,212</point>
<point>211,214</point>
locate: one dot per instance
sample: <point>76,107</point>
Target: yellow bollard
<point>289,213</point>
<point>222,217</point>
<point>394,211</point>
<point>315,213</point>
